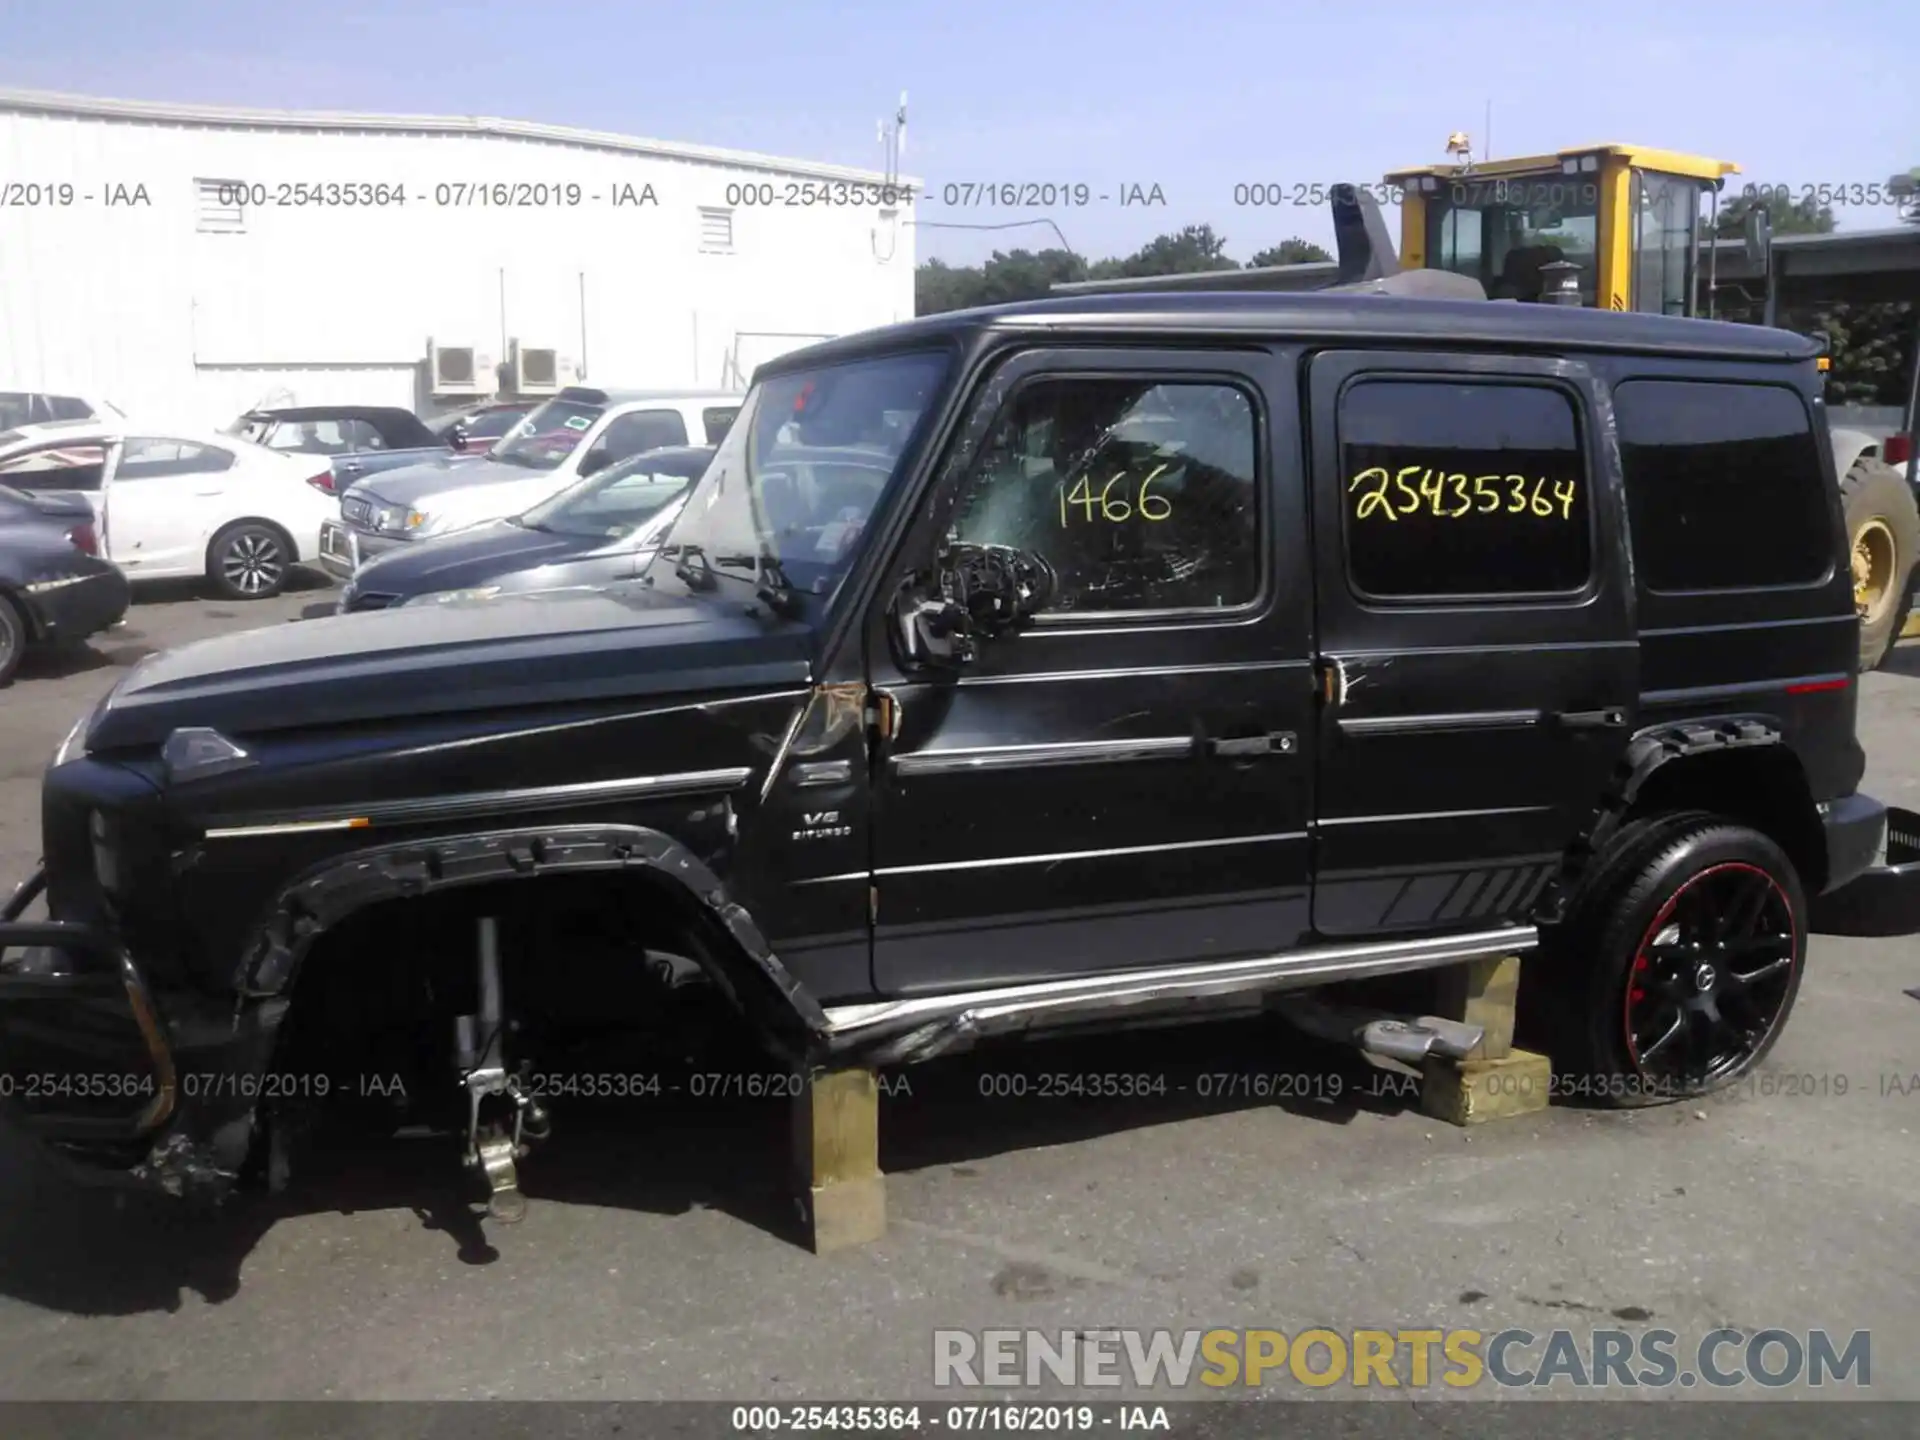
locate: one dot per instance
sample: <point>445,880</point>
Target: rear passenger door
<point>164,499</point>
<point>1480,669</point>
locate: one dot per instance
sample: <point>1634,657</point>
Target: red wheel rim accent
<point>1710,978</point>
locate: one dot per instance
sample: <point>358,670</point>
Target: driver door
<point>1126,782</point>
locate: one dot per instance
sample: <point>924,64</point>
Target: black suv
<point>1008,670</point>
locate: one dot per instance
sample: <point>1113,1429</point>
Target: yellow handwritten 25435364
<point>1104,504</point>
<point>1389,495</point>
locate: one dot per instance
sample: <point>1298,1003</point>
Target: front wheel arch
<point>726,941</point>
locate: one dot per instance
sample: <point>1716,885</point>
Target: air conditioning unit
<point>537,372</point>
<point>460,370</point>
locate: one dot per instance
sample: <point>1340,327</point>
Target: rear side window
<point>1724,485</point>
<point>1457,489</point>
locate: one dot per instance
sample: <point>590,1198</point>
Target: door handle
<point>1609,719</point>
<point>1245,747</point>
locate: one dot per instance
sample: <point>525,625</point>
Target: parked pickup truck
<point>577,433</point>
<point>360,440</point>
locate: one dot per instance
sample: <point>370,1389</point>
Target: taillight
<point>322,481</point>
<point>82,538</point>
<point>1897,449</point>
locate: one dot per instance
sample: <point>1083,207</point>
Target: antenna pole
<point>1486,146</point>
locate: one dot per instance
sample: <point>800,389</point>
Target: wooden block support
<point>1495,1081</point>
<point>1483,993</point>
<point>838,1186</point>
<point>1471,1092</point>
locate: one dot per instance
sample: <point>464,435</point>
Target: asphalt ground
<point>658,1261</point>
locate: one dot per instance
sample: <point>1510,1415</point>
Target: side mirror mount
<point>973,593</point>
<point>1757,240</point>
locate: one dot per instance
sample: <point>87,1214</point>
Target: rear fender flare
<point>1649,751</point>
<point>741,960</point>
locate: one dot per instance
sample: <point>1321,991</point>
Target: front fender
<point>1849,446</point>
<point>738,957</point>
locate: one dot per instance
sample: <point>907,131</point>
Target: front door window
<point>1140,494</point>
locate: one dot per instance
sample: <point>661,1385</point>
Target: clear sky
<point>1193,99</point>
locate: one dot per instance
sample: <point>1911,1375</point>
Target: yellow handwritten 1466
<point>1389,495</point>
<point>1105,505</point>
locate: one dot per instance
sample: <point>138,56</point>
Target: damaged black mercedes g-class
<point>1013,670</point>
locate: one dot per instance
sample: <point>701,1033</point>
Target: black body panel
<point>1091,794</point>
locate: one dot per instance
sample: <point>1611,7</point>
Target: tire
<point>1638,982</point>
<point>250,561</point>
<point>1883,536</point>
<point>15,636</point>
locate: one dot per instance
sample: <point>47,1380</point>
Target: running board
<point>898,1032</point>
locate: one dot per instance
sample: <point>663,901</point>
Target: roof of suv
<point>1335,316</point>
<point>333,412</point>
<point>593,395</point>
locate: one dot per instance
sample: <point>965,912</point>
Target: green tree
<point>1006,276</point>
<point>1291,251</point>
<point>1195,247</point>
<point>1801,217</point>
<point>1872,348</point>
<point>1905,189</point>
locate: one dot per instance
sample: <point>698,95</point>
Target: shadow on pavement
<point>93,1252</point>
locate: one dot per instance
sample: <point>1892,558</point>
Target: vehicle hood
<point>493,500</point>
<point>547,647</point>
<point>404,484</point>
<point>470,557</point>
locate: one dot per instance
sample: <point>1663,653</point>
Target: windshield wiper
<point>772,585</point>
<point>701,579</point>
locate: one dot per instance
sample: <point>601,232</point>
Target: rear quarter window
<point>1725,490</point>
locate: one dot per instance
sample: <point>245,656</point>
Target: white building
<point>192,261</point>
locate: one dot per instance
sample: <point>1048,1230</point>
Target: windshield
<point>1503,232</point>
<point>546,437</point>
<point>804,467</point>
<point>621,498</point>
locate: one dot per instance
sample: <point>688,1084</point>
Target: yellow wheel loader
<point>1620,227</point>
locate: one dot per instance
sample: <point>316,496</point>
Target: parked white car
<point>36,407</point>
<point>181,501</point>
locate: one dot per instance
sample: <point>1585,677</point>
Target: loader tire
<point>1883,540</point>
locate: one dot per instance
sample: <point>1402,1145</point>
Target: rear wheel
<point>1698,940</point>
<point>249,561</point>
<point>13,639</point>
<point>1883,534</point>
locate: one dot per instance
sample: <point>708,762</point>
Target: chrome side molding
<point>922,1027</point>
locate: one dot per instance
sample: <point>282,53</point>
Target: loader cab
<point>1629,220</point>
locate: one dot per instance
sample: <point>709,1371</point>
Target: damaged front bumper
<point>91,1064</point>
